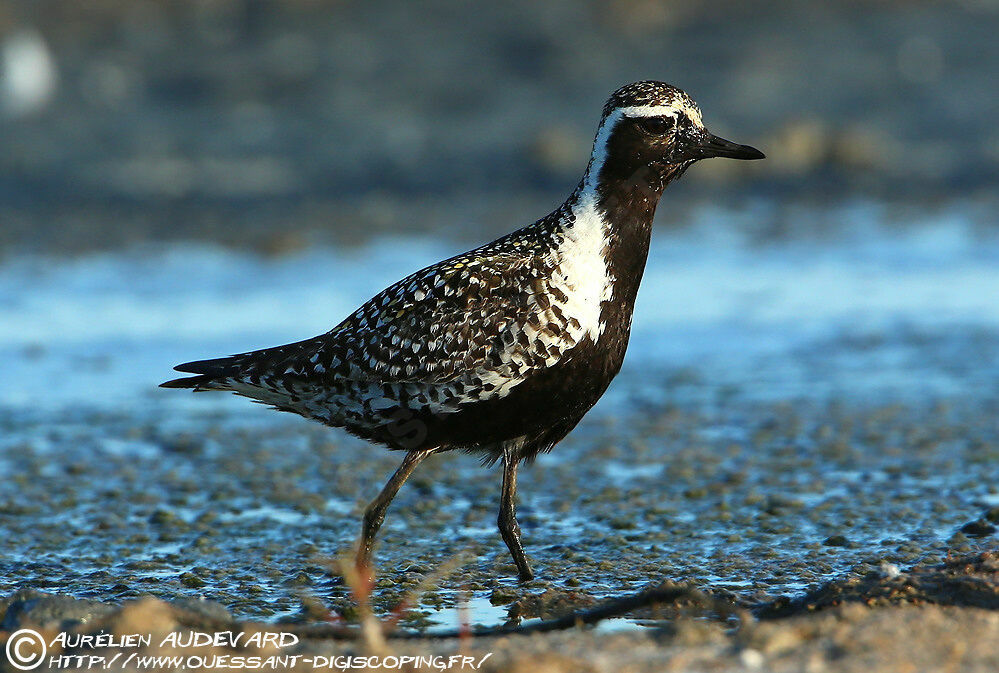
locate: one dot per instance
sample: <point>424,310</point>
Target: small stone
<point>979,528</point>
<point>145,615</point>
<point>205,608</point>
<point>752,659</point>
<point>162,517</point>
<point>889,570</point>
<point>300,579</point>
<point>551,603</point>
<point>502,596</point>
<point>836,541</point>
<point>191,581</point>
<point>30,608</point>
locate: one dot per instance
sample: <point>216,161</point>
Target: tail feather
<point>211,374</point>
<point>220,373</point>
<point>213,367</point>
<point>197,382</point>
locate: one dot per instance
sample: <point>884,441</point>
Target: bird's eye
<point>655,125</point>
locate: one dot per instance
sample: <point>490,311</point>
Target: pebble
<point>28,608</point>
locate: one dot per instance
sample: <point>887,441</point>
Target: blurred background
<point>273,125</point>
<point>810,387</point>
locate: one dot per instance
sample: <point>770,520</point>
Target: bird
<point>499,351</point>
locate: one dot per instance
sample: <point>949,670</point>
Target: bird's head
<point>652,132</point>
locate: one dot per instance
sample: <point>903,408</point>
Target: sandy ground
<point>866,624</point>
<point>247,507</point>
<point>759,503</point>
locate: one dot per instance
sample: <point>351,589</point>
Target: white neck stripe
<point>599,155</point>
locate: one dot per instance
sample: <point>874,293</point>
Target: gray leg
<point>509,528</point>
<point>374,514</point>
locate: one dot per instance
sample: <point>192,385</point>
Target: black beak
<point>705,145</point>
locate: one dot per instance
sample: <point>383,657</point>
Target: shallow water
<point>776,395</point>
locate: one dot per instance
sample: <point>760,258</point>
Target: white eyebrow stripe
<point>662,111</point>
<point>650,110</point>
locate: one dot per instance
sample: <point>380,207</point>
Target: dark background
<point>273,125</point>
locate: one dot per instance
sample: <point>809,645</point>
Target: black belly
<point>541,410</point>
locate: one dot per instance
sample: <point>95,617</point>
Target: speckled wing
<point>459,332</point>
<point>463,331</point>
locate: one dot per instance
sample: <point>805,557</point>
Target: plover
<point>501,350</point>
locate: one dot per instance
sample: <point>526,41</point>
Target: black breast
<point>549,403</point>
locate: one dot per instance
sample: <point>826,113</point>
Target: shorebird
<point>501,350</point>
